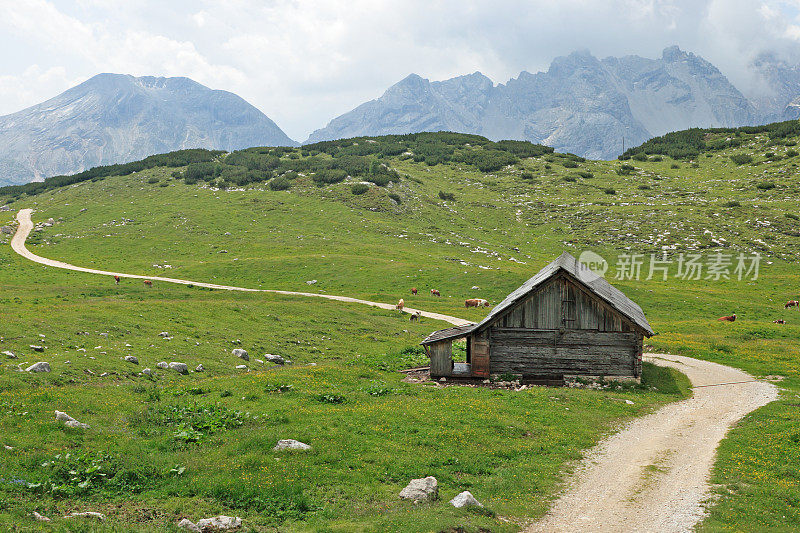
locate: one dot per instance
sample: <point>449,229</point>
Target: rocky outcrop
<point>426,488</point>
<point>114,118</point>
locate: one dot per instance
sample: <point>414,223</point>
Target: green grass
<point>499,229</point>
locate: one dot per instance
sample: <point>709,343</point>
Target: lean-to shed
<point>565,321</point>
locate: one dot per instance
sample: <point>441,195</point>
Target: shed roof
<point>594,283</point>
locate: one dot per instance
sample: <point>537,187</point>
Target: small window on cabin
<point>568,312</point>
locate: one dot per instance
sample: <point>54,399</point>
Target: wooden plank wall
<point>441,354</point>
<point>564,329</point>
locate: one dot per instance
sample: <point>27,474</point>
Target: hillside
<point>114,118</point>
<point>371,218</point>
<point>581,104</point>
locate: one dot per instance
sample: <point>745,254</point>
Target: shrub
<point>395,197</point>
<point>447,196</point>
<point>644,187</point>
<point>656,159</point>
<point>585,174</point>
<point>641,156</point>
<point>359,188</point>
<point>742,159</point>
<point>731,203</point>
<point>610,190</point>
<point>674,166</point>
<point>280,184</point>
<point>765,185</point>
<point>153,180</point>
<point>792,216</point>
<point>527,175</point>
<point>569,164</point>
<point>792,153</point>
<point>570,178</point>
<point>328,176</point>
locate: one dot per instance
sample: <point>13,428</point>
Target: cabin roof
<point>449,333</point>
<point>594,283</point>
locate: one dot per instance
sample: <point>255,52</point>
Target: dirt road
<point>26,225</point>
<point>653,475</point>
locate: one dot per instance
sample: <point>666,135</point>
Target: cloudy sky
<point>305,62</point>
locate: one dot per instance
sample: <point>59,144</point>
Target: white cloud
<point>302,62</point>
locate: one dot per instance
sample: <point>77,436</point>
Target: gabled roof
<point>566,262</point>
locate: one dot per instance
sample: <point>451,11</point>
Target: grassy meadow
<point>200,444</point>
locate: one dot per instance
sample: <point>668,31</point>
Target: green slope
<point>514,207</point>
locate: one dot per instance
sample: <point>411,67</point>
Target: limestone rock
<point>290,444</point>
<point>426,488</point>
<point>241,367</point>
<point>132,359</point>
<point>88,514</point>
<point>241,353</point>
<point>465,499</point>
<point>277,359</point>
<point>40,518</point>
<point>199,368</point>
<point>36,348</point>
<point>69,421</point>
<point>218,523</point>
<point>188,524</point>
<point>162,364</point>
<point>41,366</point>
<point>180,368</point>
<point>9,354</point>
<point>147,372</point>
<point>8,230</point>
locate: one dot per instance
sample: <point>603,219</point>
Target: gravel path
<point>26,225</point>
<point>653,475</point>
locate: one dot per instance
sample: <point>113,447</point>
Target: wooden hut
<point>565,321</point>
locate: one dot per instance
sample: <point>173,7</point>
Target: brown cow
<point>476,302</point>
<point>414,291</point>
<point>792,303</point>
<point>116,280</point>
<point>401,304</point>
<point>148,283</point>
<point>731,318</point>
<point>434,292</point>
<point>415,316</point>
<point>779,321</point>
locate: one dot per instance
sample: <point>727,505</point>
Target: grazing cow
<point>792,303</point>
<point>415,316</point>
<point>400,305</point>
<point>727,318</point>
<point>414,291</point>
<point>476,302</point>
<point>434,292</point>
<point>779,321</point>
<point>116,280</point>
<point>148,283</point>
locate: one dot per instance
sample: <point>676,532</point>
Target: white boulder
<point>88,514</point>
<point>426,488</point>
<point>41,366</point>
<point>218,523</point>
<point>290,444</point>
<point>180,368</point>
<point>147,372</point>
<point>9,354</point>
<point>277,359</point>
<point>40,518</point>
<point>132,359</point>
<point>69,421</point>
<point>465,499</point>
<point>199,368</point>
<point>241,353</point>
<point>162,364</point>
<point>188,524</point>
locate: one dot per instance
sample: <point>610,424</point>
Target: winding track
<point>26,225</point>
<point>651,476</point>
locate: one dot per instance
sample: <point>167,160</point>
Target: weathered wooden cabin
<point>565,321</point>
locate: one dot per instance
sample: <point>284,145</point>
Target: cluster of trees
<point>178,158</point>
<point>688,144</point>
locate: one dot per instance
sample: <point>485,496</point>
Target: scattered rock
<point>290,444</point>
<point>241,367</point>
<point>162,364</point>
<point>37,348</point>
<point>474,288</point>
<point>83,210</point>
<point>426,488</point>
<point>8,230</point>
<point>69,421</point>
<point>241,353</point>
<point>88,514</point>
<point>465,499</point>
<point>180,368</point>
<point>132,359</point>
<point>9,354</point>
<point>629,402</point>
<point>199,368</point>
<point>51,221</point>
<point>7,447</point>
<point>4,208</point>
<point>41,366</point>
<point>40,518</point>
<point>442,379</point>
<point>147,372</point>
<point>311,282</point>
<point>188,524</point>
<point>218,523</point>
<point>277,359</point>
<point>104,374</point>
<point>164,334</point>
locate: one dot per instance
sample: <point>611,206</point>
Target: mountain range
<point>112,118</point>
<point>584,105</point>
<point>581,104</point>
